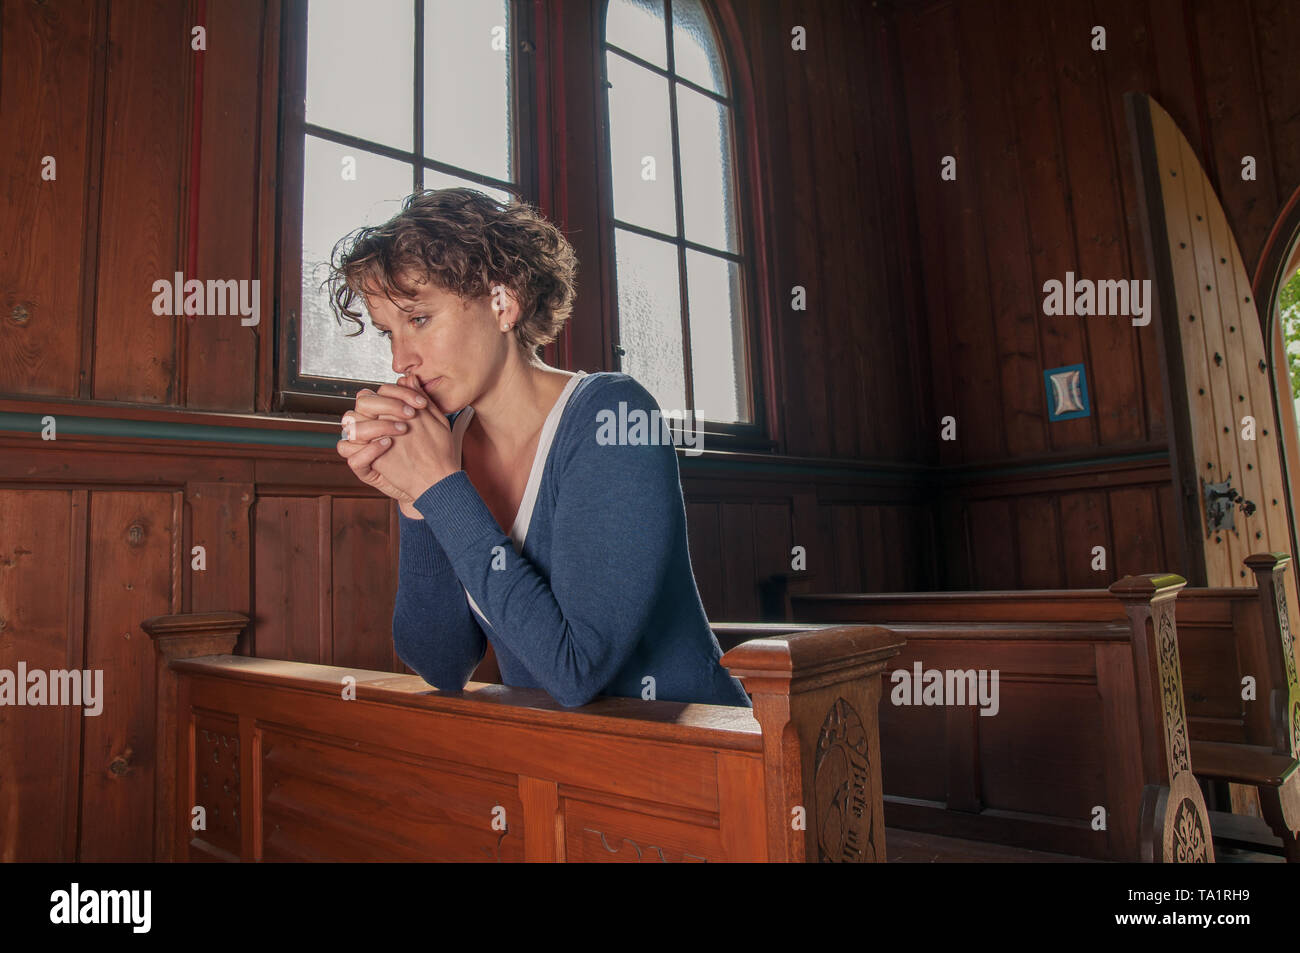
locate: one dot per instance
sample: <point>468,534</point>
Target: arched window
<point>388,97</point>
<point>680,264</point>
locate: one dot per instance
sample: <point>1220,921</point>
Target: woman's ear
<point>505,306</point>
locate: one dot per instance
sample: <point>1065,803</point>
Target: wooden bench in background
<point>1224,634</point>
<point>1091,716</point>
<point>286,769</point>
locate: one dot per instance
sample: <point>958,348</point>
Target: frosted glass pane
<point>332,207</point>
<point>638,27</point>
<point>361,68</point>
<point>695,51</point>
<point>649,317</point>
<point>434,179</point>
<point>708,199</point>
<point>718,361</point>
<point>641,131</point>
<point>467,63</point>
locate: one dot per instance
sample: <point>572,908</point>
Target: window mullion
<point>417,172</point>
<point>684,303</point>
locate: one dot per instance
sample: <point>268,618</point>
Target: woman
<point>518,527</point>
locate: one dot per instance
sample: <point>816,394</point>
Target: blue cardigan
<point>602,595</point>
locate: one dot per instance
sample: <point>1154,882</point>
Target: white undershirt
<point>519,531</point>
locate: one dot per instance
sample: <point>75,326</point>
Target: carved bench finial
<point>1174,825</point>
<point>816,695</point>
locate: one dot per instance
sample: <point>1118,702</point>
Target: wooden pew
<point>1091,716</point>
<point>1267,756</point>
<point>290,761</point>
<point>1224,634</point>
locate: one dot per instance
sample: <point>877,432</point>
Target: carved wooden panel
<point>843,785</point>
<point>1184,829</point>
<point>598,833</point>
<point>216,781</point>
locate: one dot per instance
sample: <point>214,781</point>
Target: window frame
<point>296,392</point>
<point>756,434</point>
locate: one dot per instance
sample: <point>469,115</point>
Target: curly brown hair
<point>464,242</point>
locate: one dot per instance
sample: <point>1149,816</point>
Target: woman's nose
<point>404,358</point>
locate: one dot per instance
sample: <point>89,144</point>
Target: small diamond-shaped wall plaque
<point>1067,392</point>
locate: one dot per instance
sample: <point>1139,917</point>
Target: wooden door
<point>1217,368</point>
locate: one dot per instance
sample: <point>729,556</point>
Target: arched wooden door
<point>1218,375</point>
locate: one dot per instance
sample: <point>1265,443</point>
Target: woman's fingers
<point>391,401</point>
<point>361,458</point>
<point>365,430</point>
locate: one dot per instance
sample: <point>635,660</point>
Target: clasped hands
<point>398,442</point>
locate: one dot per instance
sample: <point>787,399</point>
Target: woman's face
<point>453,346</point>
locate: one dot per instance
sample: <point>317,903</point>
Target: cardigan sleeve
<point>613,539</point>
<point>433,630</point>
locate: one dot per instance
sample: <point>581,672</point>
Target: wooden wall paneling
<point>955,291</point>
<point>956,553</point>
<point>149,71</point>
<point>905,253</point>
<point>927,137</point>
<point>1037,106</point>
<point>738,570</point>
<point>970,314</point>
<point>1038,533</point>
<point>893,527</point>
<point>1128,65</point>
<point>394,664</point>
<point>46,74</point>
<point>911,434</point>
<point>39,746</point>
<point>773,538</point>
<point>129,571</point>
<point>1177,79</point>
<point>875,549</point>
<point>78,557</point>
<point>268,183</point>
<point>325,586</point>
<point>767,64</point>
<point>807,534</point>
<point>1170,531</point>
<point>222,353</point>
<point>1092,173</point>
<point>859,315</point>
<point>993,540</point>
<point>830,303</point>
<point>1277,36</point>
<point>704,538</point>
<point>806,344</point>
<point>1136,529</point>
<point>846,570</point>
<point>1014,300</point>
<point>1237,119</point>
<point>871,320</point>
<point>364,583</point>
<point>1084,524</point>
<point>219,522</point>
<point>288,579</point>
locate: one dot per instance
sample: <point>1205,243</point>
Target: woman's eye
<point>385,334</point>
<point>421,318</point>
